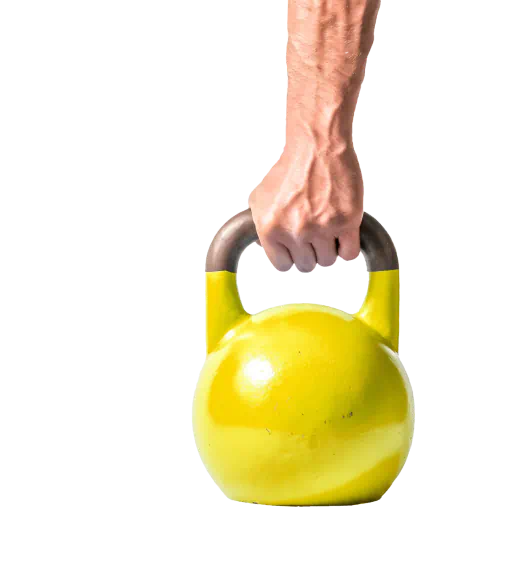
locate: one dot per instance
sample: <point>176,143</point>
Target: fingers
<point>278,255</point>
<point>349,245</point>
<point>325,251</point>
<point>304,256</point>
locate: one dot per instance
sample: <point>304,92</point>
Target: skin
<point>308,208</point>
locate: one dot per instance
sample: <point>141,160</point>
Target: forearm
<point>328,44</point>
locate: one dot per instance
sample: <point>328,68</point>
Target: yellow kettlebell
<point>303,404</point>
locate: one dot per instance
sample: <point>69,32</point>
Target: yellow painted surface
<point>303,404</point>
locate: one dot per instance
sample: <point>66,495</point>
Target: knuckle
<point>268,227</point>
<point>332,221</point>
<point>340,219</point>
<point>300,231</point>
<point>271,232</point>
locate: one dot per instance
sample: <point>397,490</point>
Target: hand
<point>308,208</point>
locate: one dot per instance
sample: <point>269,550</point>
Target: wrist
<point>325,130</point>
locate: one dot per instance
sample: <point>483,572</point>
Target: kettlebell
<point>303,404</point>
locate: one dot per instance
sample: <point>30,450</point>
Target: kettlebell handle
<point>240,232</point>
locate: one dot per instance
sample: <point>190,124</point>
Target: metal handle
<point>240,232</point>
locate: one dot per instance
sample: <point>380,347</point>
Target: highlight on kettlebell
<point>303,404</point>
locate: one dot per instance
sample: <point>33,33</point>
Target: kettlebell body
<point>302,404</point>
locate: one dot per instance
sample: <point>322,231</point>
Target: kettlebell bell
<point>303,404</point>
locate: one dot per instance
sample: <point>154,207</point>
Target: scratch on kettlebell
<point>269,432</point>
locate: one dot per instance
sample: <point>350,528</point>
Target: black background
<point>444,131</point>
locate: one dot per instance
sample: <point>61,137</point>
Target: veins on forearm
<point>330,37</point>
<point>328,44</point>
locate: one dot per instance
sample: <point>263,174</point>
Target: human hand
<point>309,207</point>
